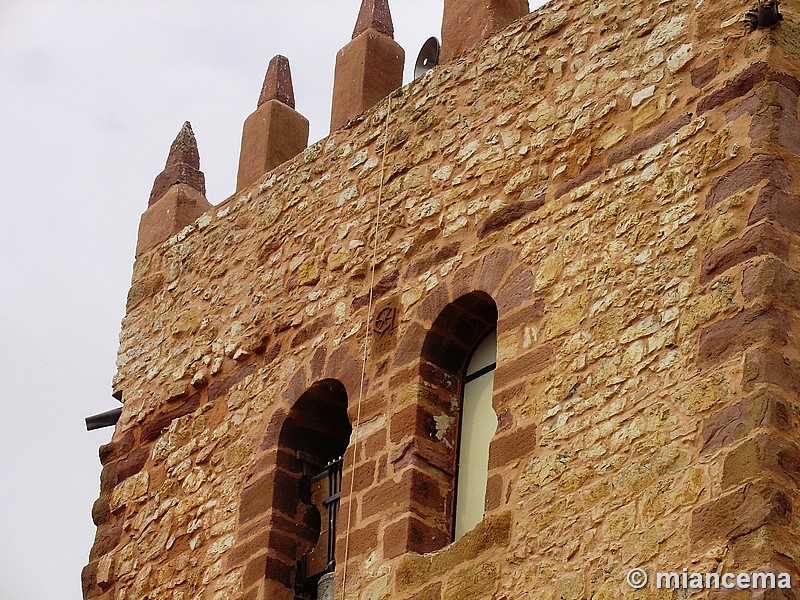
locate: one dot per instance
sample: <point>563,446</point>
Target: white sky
<point>92,93</point>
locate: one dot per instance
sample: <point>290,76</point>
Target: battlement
<point>609,189</point>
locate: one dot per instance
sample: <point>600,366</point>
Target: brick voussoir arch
<point>277,521</point>
<point>449,323</point>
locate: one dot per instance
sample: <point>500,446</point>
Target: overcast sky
<point>92,93</point>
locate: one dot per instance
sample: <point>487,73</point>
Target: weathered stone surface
<point>464,24</point>
<point>278,82</point>
<point>638,264</point>
<point>759,168</point>
<point>374,14</point>
<point>368,69</point>
<point>275,132</point>
<point>183,166</point>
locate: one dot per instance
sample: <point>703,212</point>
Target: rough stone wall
<point>621,179</point>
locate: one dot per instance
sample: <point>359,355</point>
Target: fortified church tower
<point>513,330</point>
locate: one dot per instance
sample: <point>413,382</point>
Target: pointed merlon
<point>275,132</point>
<point>369,67</point>
<point>466,22</point>
<point>178,196</point>
<point>278,82</point>
<point>184,148</point>
<point>183,166</point>
<point>374,14</point>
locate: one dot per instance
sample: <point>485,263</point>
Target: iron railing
<point>305,583</point>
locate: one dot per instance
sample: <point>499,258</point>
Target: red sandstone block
<point>387,283</point>
<point>761,167</point>
<point>388,497</point>
<point>89,581</point>
<point>770,278</point>
<point>119,446</point>
<point>704,74</point>
<point>101,510</point>
<point>363,540</point>
<point>463,282</point>
<point>777,206</point>
<point>156,424</point>
<point>444,358</point>
<point>749,327</point>
<point>765,455</point>
<point>313,329</point>
<point>297,385</point>
<point>774,126</point>
<point>494,268</point>
<point>108,477</point>
<point>280,573</point>
<point>759,240</point>
<point>365,475</point>
<point>506,449</point>
<point>582,178</point>
<point>641,142</point>
<point>516,291</point>
<point>494,492</point>
<point>737,87</point>
<point>432,260</point>
<point>766,366</point>
<point>502,399</point>
<point>411,421</point>
<point>410,346</point>
<point>761,410</point>
<point>256,498</point>
<point>132,464</point>
<point>509,214</point>
<point>245,550</point>
<point>255,592</point>
<point>530,313</point>
<point>740,512</point>
<point>525,365</point>
<point>106,538</point>
<point>432,305</point>
<point>410,534</point>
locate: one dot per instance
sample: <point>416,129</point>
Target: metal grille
<point>306,583</point>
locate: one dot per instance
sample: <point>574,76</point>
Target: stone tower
<point>590,213</point>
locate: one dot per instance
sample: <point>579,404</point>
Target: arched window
<point>454,423</point>
<point>312,440</point>
<point>478,426</point>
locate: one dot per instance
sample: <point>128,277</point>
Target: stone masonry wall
<point>622,180</point>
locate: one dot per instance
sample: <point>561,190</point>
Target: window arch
<point>312,440</point>
<point>457,345</point>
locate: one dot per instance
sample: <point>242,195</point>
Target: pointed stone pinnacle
<point>183,166</point>
<point>374,14</point>
<point>184,148</point>
<point>278,82</point>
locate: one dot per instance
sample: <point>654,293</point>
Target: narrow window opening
<point>478,426</point>
<point>312,441</point>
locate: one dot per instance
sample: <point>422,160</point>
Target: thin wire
<point>366,346</point>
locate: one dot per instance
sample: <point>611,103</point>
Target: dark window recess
<point>326,490</point>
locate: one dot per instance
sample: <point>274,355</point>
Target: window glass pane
<point>478,426</point>
<point>485,354</point>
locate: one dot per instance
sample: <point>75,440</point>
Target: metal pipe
<point>104,419</point>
